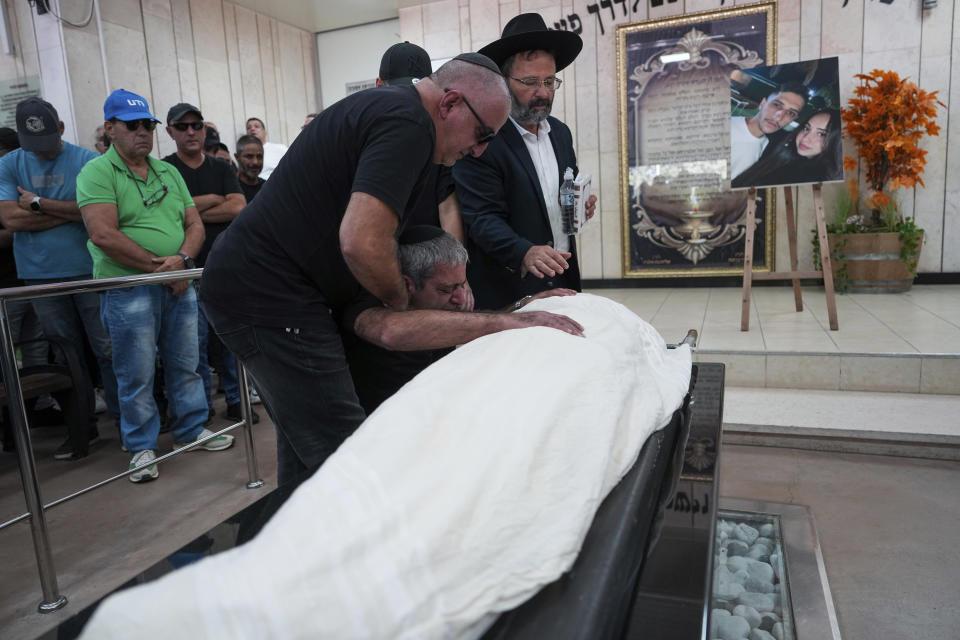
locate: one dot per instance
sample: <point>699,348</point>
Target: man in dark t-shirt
<point>323,228</point>
<point>216,192</point>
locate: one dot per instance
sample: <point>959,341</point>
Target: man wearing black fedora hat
<point>509,197</point>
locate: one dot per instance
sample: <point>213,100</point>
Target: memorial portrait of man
<point>796,145</point>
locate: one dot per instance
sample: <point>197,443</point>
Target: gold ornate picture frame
<point>680,217</point>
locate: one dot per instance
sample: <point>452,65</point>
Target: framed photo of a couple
<point>785,126</point>
<point>681,218</point>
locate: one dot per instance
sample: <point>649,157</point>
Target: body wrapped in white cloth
<point>458,499</point>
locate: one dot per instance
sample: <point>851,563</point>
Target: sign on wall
<point>12,92</point>
<point>681,217</point>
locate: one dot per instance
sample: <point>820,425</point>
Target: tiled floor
<point>908,342</point>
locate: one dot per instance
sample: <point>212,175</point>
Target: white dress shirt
<point>545,163</point>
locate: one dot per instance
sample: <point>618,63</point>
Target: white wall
<point>351,55</point>
<point>229,61</point>
<point>864,34</point>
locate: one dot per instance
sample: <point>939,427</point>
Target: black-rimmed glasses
<point>552,83</point>
<point>156,196</point>
<point>183,126</point>
<point>487,133</point>
<point>146,123</point>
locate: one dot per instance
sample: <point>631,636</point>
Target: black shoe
<point>233,412</point>
<point>65,450</point>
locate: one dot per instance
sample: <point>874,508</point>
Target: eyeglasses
<point>551,83</point>
<point>486,133</point>
<point>146,123</point>
<point>156,196</point>
<point>183,126</point>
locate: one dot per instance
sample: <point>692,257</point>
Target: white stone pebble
<point>732,628</point>
<point>762,602</point>
<point>777,631</point>
<point>746,533</point>
<point>760,634</point>
<point>749,613</point>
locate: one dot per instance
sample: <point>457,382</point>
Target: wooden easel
<point>826,272</point>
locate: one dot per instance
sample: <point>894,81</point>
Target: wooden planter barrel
<point>872,262</point>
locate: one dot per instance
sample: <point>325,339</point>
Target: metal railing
<point>52,598</point>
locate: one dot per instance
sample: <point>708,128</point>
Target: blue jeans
<point>76,317</point>
<point>228,365</point>
<point>139,320</point>
<point>305,385</point>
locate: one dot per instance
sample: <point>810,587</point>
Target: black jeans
<point>304,381</point>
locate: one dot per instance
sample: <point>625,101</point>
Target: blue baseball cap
<point>126,105</point>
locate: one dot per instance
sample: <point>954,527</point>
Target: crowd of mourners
<point>44,181</point>
<point>403,221</point>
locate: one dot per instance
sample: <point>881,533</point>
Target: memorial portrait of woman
<point>812,152</point>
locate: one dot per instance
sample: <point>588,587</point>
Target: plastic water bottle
<point>567,203</point>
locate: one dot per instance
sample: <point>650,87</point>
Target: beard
<point>534,112</point>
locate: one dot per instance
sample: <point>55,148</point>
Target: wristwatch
<point>188,261</point>
<point>35,204</point>
<point>519,303</point>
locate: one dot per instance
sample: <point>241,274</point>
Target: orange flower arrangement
<point>886,119</point>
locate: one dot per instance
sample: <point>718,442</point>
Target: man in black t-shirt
<point>323,228</point>
<point>250,160</point>
<point>216,193</point>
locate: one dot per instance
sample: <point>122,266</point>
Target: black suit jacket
<point>505,214</point>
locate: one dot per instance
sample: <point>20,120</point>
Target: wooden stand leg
<point>825,257</point>
<point>792,239</point>
<point>748,260</point>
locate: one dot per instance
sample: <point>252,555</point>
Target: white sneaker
<point>255,396</point>
<point>147,473</point>
<point>219,443</point>
<point>101,404</point>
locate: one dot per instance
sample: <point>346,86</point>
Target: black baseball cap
<point>38,125</point>
<point>404,63</point>
<point>181,109</point>
<point>212,139</point>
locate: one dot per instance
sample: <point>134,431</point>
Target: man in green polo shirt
<point>141,219</point>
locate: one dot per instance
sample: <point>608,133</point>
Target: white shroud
<point>459,498</point>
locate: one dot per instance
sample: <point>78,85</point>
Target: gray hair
<point>483,82</point>
<point>418,259</point>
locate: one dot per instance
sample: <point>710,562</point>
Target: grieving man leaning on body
<point>749,136</point>
<point>510,196</point>
<point>323,228</point>
<point>141,219</point>
<point>250,164</point>
<point>434,268</point>
<point>272,151</point>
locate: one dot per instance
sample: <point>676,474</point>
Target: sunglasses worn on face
<point>133,125</point>
<point>183,126</point>
<point>486,133</point>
